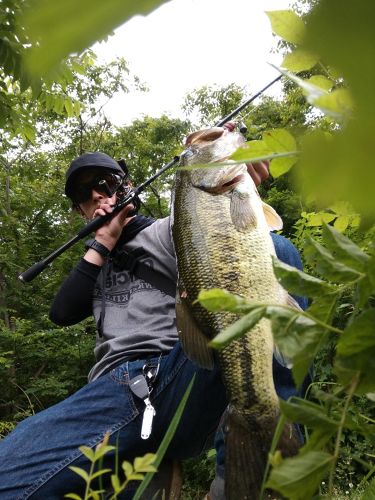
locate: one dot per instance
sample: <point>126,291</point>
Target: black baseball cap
<point>89,160</point>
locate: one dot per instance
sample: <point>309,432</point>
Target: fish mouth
<point>227,186</point>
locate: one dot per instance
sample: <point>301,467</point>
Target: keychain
<point>139,386</point>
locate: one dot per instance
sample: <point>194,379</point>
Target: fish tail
<point>246,455</point>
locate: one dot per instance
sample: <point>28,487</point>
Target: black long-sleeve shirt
<point>73,301</point>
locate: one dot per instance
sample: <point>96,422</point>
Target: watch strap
<point>98,247</point>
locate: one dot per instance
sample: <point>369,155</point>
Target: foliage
<point>68,91</point>
<point>149,144</point>
<point>336,32</point>
<point>41,365</point>
<point>207,105</point>
<point>198,475</point>
<point>21,96</point>
<point>132,472</point>
<point>44,24</point>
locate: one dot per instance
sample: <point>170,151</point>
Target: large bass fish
<point>221,236</point>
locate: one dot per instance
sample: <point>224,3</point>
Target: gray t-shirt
<point>140,320</point>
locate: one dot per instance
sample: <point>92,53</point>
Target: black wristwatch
<point>98,247</point>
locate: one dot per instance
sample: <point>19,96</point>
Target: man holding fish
<point>221,237</point>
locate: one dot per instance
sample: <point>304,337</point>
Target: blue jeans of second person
<point>35,457</point>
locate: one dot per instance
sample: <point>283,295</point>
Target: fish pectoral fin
<point>273,219</point>
<point>241,211</point>
<point>194,342</point>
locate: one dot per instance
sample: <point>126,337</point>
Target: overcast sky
<point>185,44</point>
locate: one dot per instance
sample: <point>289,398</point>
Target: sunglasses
<point>106,184</point>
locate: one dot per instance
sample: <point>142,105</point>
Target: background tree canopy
<point>52,91</point>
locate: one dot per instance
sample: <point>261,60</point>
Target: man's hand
<point>259,171</point>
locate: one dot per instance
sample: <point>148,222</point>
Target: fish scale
<point>215,251</point>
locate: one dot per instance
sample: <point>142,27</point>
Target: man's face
<point>93,187</point>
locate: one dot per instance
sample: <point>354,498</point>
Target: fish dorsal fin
<point>206,135</point>
<point>194,342</point>
<point>273,219</point>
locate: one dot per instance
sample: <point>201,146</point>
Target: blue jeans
<point>35,457</point>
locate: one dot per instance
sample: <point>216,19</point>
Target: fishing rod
<point>129,197</point>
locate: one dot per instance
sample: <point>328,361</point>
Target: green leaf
<point>58,106</point>
<point>116,485</point>
<point>298,478</point>
<point>359,335</point>
<point>341,223</point>
<point>127,467</point>
<point>28,132</point>
<point>364,292</point>
<point>307,413</point>
<point>287,25</point>
<point>100,451</point>
<point>89,20</point>
<point>318,219</point>
<point>318,439</point>
<point>346,368</point>
<point>321,81</point>
<point>69,107</point>
<point>216,300</point>
<point>80,472</point>
<point>280,166</point>
<point>338,103</point>
<point>342,208</point>
<point>145,463</point>
<point>73,496</point>
<point>88,452</point>
<point>100,473</point>
<point>238,328</point>
<point>344,249</point>
<point>323,307</point>
<point>311,91</point>
<point>95,495</point>
<point>136,476</point>
<point>327,265</point>
<point>298,337</point>
<point>279,140</point>
<point>343,152</point>
<point>76,108</point>
<point>298,282</point>
<point>251,149</point>
<point>299,60</point>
